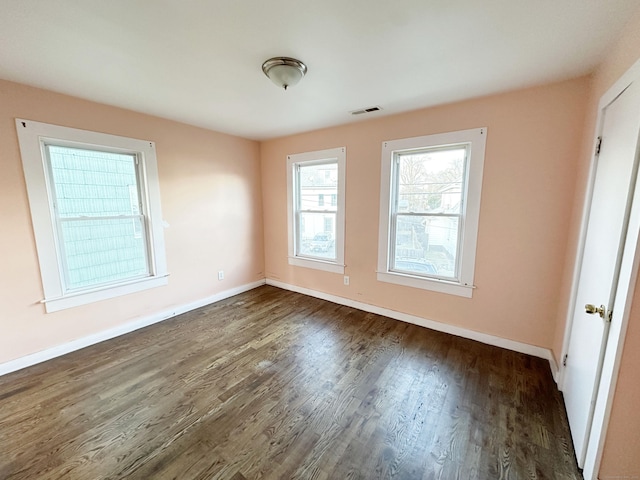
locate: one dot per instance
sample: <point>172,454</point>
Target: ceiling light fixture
<point>284,71</point>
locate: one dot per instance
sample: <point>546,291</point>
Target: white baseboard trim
<point>519,347</point>
<point>553,365</point>
<point>59,350</point>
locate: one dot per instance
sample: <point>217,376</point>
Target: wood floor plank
<point>272,384</point>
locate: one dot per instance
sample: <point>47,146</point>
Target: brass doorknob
<point>591,309</point>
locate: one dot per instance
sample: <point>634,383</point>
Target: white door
<point>603,247</point>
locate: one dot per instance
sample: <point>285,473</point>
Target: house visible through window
<point>316,228</point>
<point>96,213</point>
<point>95,200</point>
<point>316,234</point>
<point>329,225</point>
<point>429,210</point>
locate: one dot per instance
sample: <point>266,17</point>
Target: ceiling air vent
<point>365,110</point>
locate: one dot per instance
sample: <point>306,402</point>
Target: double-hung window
<point>315,195</point>
<point>95,206</point>
<point>429,210</point>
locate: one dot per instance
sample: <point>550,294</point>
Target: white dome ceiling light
<point>285,72</point>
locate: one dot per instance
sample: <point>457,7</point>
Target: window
<point>95,206</point>
<point>429,209</point>
<point>316,229</point>
<point>328,224</point>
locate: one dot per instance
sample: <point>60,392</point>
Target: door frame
<point>624,295</point>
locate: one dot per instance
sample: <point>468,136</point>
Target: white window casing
<point>459,281</point>
<point>318,211</point>
<point>36,140</point>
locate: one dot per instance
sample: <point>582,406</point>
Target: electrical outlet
<point>221,275</point>
<point>346,279</point>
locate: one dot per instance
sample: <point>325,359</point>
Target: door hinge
<point>598,145</point>
<point>564,361</point>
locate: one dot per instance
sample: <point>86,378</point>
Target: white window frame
<point>476,139</point>
<point>33,136</point>
<point>338,155</point>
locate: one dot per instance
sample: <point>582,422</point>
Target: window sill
<point>317,265</point>
<point>104,293</point>
<point>442,286</point>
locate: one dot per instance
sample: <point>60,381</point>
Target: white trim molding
<point>295,163</point>
<point>59,350</point>
<point>485,338</point>
<point>461,282</point>
<point>624,296</point>
<point>35,140</point>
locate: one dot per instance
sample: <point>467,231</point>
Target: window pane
<point>431,181</point>
<point>317,235</point>
<point>92,183</point>
<point>318,184</point>
<point>426,245</point>
<point>88,185</point>
<point>103,251</point>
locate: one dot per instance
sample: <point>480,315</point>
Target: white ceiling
<point>199,61</point>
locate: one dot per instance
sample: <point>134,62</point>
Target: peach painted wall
<point>211,198</point>
<point>621,457</point>
<point>533,147</point>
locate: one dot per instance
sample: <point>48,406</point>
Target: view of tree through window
<point>429,186</point>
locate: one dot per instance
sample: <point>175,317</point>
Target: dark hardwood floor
<point>272,384</point>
